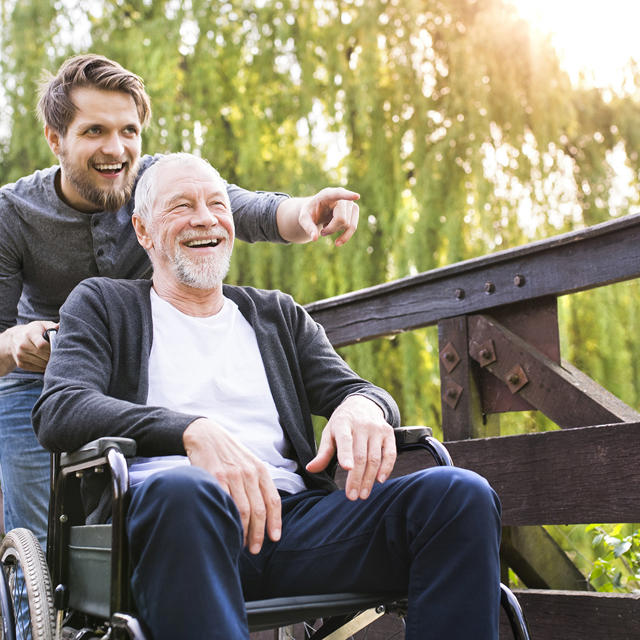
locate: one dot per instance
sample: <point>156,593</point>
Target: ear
<point>53,139</point>
<point>144,238</point>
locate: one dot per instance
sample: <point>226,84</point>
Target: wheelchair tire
<point>20,552</point>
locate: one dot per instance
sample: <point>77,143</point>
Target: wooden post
<point>462,415</point>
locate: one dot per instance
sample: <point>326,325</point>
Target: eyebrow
<point>185,196</point>
<point>176,198</point>
<point>87,124</point>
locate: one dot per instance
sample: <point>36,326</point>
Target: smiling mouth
<point>109,168</point>
<point>197,244</point>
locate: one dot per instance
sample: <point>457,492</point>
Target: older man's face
<point>192,227</point>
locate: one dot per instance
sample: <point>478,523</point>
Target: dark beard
<point>105,199</point>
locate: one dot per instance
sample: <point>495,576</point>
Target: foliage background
<point>452,119</point>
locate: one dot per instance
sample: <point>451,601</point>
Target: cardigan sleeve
<point>93,385</point>
<point>328,379</point>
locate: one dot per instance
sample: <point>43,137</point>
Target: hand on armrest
<point>364,442</point>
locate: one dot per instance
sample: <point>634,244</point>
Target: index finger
<point>333,194</point>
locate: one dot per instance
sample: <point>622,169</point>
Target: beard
<point>206,272</point>
<point>106,199</point>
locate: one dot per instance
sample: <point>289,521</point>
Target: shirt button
<point>100,252</point>
<point>96,222</point>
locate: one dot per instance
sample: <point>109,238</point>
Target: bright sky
<point>596,36</point>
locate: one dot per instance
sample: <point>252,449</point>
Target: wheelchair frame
<point>81,557</point>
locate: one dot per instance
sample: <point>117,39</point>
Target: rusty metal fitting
<point>516,378</point>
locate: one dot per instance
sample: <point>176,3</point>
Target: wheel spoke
<point>19,600</point>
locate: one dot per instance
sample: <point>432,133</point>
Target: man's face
<point>100,152</point>
<point>192,230</point>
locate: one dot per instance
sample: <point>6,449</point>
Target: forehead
<point>190,178</point>
<point>97,106</point>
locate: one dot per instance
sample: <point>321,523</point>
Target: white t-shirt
<point>212,367</point>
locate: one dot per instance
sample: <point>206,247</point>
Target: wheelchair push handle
<point>50,336</point>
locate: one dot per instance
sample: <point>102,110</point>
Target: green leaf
<point>596,573</point>
<point>621,548</point>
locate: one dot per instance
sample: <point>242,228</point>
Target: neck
<point>199,303</point>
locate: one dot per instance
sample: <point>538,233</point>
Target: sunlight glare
<point>592,37</point>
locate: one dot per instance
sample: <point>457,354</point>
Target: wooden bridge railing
<point>499,351</point>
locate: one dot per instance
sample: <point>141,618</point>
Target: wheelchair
<point>81,590</point>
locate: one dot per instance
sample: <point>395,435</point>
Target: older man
<point>230,499</point>
<point>69,222</point>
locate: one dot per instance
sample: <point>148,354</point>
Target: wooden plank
<point>554,615</point>
<point>578,615</point>
<point>536,322</point>
<point>556,266</point>
<point>582,475</point>
<point>539,561</point>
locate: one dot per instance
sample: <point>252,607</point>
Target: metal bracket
<point>449,357</point>
<point>483,353</point>
<point>452,393</point>
<point>516,379</point>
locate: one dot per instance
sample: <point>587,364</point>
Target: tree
<point>452,119</point>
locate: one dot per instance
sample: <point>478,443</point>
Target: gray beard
<point>204,274</point>
<point>105,199</point>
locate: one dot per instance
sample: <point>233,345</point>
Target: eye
<point>94,130</point>
<point>218,201</point>
<point>131,130</point>
<point>180,206</point>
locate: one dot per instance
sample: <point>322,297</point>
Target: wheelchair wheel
<point>27,602</point>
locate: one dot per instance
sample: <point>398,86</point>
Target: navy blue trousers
<point>434,533</point>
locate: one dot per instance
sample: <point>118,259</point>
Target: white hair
<point>146,188</point>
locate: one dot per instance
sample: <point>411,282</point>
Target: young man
<point>230,499</point>
<point>73,221</point>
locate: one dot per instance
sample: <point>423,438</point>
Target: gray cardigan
<point>96,382</point>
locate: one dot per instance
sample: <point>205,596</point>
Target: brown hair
<point>55,107</point>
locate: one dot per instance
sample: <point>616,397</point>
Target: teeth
<point>199,243</point>
<point>109,167</point>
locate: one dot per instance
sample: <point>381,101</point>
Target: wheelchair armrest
<point>418,437</point>
<point>96,449</point>
<point>406,436</point>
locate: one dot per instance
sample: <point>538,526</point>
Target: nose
<point>202,216</point>
<point>113,146</point>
